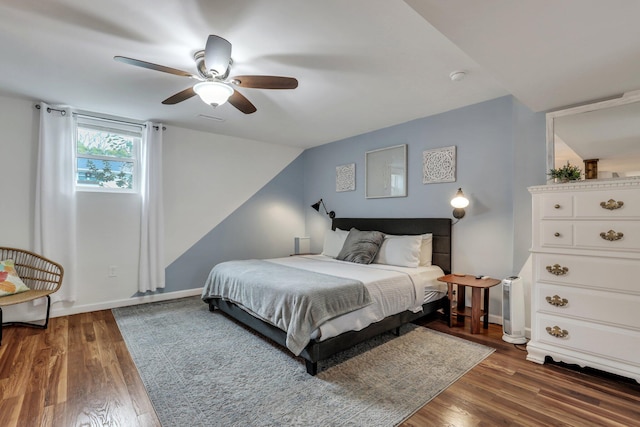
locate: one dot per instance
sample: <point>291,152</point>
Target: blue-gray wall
<point>500,152</point>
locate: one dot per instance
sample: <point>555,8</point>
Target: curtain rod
<point>49,109</point>
<point>63,112</point>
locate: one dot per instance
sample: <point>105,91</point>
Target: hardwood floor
<point>79,373</point>
<point>505,389</point>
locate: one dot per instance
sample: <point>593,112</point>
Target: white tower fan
<point>513,310</point>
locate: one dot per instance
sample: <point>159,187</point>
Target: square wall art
<point>439,165</point>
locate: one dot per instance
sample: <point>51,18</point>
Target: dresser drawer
<point>556,233</point>
<point>598,306</point>
<point>590,338</point>
<point>588,271</point>
<point>608,235</point>
<point>556,206</point>
<point>607,204</point>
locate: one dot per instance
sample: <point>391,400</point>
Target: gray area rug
<point>203,369</point>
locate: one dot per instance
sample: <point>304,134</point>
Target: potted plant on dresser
<point>565,173</point>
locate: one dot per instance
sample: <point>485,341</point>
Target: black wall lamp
<point>316,206</point>
<point>459,202</point>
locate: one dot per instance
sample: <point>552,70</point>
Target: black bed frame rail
<point>316,350</point>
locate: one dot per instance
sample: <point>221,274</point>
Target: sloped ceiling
<point>547,53</point>
<point>362,64</point>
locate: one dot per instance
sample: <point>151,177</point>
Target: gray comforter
<point>295,300</point>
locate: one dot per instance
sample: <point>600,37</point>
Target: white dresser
<point>585,294</point>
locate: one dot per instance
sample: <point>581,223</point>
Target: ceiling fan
<point>215,87</point>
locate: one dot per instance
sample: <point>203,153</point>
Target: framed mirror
<point>386,172</point>
<point>602,139</point>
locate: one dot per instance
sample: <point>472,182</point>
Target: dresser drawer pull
<point>557,270</point>
<point>557,301</point>
<point>556,234</point>
<point>556,206</point>
<point>611,204</point>
<point>557,332</point>
<point>611,235</point>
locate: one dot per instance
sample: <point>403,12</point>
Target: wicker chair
<point>42,276</point>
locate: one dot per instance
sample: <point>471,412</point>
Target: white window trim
<point>121,125</point>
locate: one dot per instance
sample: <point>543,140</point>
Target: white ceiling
<point>361,64</point>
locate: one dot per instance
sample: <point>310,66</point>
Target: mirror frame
<point>626,98</point>
<point>378,174</point>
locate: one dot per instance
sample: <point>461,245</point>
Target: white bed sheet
<point>393,289</point>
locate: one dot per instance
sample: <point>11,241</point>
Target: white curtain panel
<point>55,205</point>
<point>151,272</point>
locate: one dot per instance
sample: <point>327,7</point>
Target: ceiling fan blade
<point>265,82</point>
<point>180,96</point>
<point>241,103</point>
<point>217,55</point>
<point>152,66</point>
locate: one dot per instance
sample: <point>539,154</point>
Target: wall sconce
<point>316,206</point>
<point>459,202</point>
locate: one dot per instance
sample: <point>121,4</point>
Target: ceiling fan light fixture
<point>213,93</point>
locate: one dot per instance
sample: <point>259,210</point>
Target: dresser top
<point>589,184</point>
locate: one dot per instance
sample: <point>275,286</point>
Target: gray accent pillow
<point>361,246</point>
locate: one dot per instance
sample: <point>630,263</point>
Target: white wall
<point>206,177</point>
<point>18,139</point>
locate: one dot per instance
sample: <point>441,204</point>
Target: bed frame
<point>320,350</point>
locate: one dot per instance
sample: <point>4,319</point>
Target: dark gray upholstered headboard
<point>439,227</point>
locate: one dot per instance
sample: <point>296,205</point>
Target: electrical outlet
<point>113,271</point>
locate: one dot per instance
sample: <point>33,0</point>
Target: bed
<point>337,332</point>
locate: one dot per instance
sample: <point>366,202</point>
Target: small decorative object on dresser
<point>565,173</point>
<point>585,292</point>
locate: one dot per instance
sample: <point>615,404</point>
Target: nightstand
<point>478,286</point>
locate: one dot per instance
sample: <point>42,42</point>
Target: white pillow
<point>426,249</point>
<point>333,242</point>
<point>403,251</point>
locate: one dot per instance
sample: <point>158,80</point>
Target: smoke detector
<point>456,76</point>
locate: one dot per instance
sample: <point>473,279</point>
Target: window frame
<point>117,127</point>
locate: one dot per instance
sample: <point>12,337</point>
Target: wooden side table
<point>475,312</point>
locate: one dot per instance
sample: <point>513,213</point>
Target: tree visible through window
<point>106,155</point>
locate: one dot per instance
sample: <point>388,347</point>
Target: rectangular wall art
<point>346,177</point>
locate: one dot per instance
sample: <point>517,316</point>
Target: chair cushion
<point>10,282</point>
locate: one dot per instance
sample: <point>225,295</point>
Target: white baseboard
<point>493,318</point>
<point>86,308</point>
<point>498,321</point>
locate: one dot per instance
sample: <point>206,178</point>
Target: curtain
<point>151,271</point>
<point>55,204</point>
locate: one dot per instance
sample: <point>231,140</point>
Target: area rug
<point>201,368</point>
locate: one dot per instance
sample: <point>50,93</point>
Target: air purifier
<point>513,310</point>
<point>301,245</point>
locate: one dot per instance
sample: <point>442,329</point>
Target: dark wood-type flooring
<point>79,373</point>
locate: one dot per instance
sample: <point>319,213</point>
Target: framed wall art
<point>346,177</point>
<point>386,172</point>
<point>439,165</point>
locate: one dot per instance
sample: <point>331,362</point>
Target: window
<point>106,155</point>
